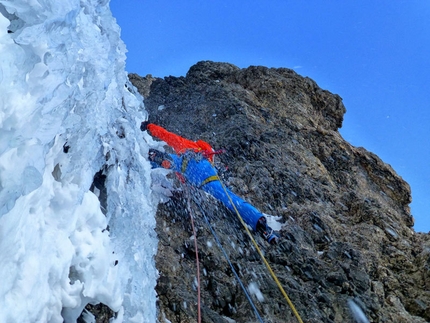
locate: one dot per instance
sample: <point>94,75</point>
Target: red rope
<point>181,178</point>
<point>197,255</point>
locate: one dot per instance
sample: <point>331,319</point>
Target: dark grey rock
<point>340,204</point>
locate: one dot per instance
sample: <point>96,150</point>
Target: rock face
<point>347,244</point>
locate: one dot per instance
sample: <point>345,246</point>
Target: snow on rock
<point>67,112</point>
<point>255,290</point>
<point>273,221</point>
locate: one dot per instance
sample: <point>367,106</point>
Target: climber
<point>193,162</point>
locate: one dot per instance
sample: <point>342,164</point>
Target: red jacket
<point>180,144</point>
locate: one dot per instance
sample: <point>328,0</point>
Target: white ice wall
<point>63,83</point>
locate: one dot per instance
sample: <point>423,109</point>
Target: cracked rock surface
<point>347,232</point>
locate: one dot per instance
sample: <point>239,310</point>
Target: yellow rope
<point>293,309</point>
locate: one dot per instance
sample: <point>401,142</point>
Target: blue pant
<point>197,170</point>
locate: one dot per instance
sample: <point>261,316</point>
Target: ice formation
<point>67,113</point>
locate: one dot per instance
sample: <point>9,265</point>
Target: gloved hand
<point>144,125</point>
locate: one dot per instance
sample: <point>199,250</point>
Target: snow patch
<point>357,312</point>
<point>273,221</point>
<point>255,290</point>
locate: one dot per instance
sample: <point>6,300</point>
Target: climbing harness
<point>184,165</point>
<point>228,259</point>
<point>209,179</point>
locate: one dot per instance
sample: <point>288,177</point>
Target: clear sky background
<point>374,54</point>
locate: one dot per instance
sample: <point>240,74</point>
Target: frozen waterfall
<point>67,113</point>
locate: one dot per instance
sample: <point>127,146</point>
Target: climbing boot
<point>270,235</point>
<point>267,232</point>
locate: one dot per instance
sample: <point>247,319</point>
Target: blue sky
<point>374,54</point>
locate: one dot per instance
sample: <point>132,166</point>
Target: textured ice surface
<point>67,111</point>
